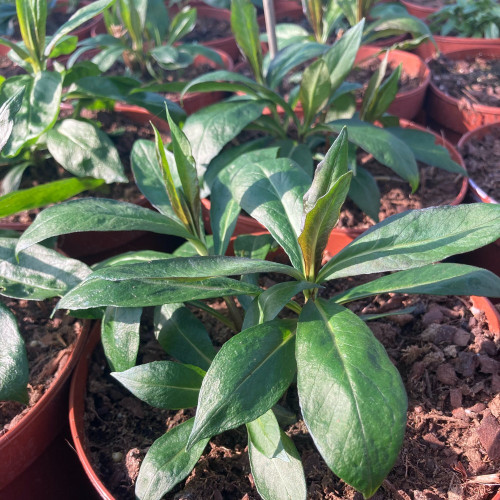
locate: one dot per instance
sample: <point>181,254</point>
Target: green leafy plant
<point>321,104</point>
<point>351,396</point>
<point>144,37</point>
<point>468,18</point>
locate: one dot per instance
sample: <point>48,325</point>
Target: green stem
<point>214,313</point>
<point>234,312</point>
<point>293,306</point>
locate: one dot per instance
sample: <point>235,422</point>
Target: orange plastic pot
<point>420,11</point>
<point>407,104</point>
<point>488,256</point>
<point>29,438</point>
<point>455,114</point>
<point>79,386</point>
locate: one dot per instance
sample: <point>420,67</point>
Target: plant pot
<point>488,256</point>
<point>420,11</point>
<point>341,237</point>
<point>28,439</point>
<point>453,113</point>
<point>407,103</point>
<point>78,392</point>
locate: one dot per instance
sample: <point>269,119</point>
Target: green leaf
<point>167,462</point>
<point>340,58</point>
<point>84,150</point>
<point>77,19</point>
<point>246,32</point>
<point>322,203</point>
<point>183,335</point>
<point>434,279</point>
<point>132,258</point>
<point>45,194</point>
<point>280,477</point>
<point>347,386</point>
<point>8,112</point>
<point>253,246</point>
<point>246,378</point>
<point>211,128</point>
<point>424,147</point>
<point>365,193</point>
<point>39,109</point>
<point>416,238</point>
<point>66,45</point>
<point>265,435</point>
<point>32,18</point>
<point>271,302</point>
<point>14,372</point>
<point>41,273</point>
<point>315,90</point>
<point>120,336</point>
<point>271,192</point>
<point>100,215</point>
<point>148,175</point>
<point>182,24</point>
<point>384,146</point>
<point>163,384</point>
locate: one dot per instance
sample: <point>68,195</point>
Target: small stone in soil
<point>489,435</point>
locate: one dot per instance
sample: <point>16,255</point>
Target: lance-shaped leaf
<point>280,477</point>
<point>167,462</point>
<point>8,111</point>
<point>44,194</point>
<point>77,19</point>
<point>100,215</point>
<point>163,384</point>
<point>39,109</point>
<point>265,434</point>
<point>41,273</point>
<point>434,279</point>
<point>347,386</point>
<point>84,150</point>
<point>211,128</point>
<point>314,90</point>
<point>271,192</point>
<point>120,336</point>
<point>246,378</point>
<point>340,58</point>
<point>32,18</point>
<point>183,335</point>
<point>322,204</point>
<point>364,191</point>
<point>186,169</point>
<point>385,147</point>
<point>416,238</point>
<point>269,303</point>
<point>14,372</point>
<point>246,32</point>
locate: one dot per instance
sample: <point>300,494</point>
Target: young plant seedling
<point>351,396</point>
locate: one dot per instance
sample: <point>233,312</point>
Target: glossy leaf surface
<point>352,398</point>
<point>8,112</point>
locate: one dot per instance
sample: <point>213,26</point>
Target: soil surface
<point>49,343</point>
<point>449,362</point>
<point>471,80</point>
<point>437,187</point>
<point>9,68</point>
<point>207,29</point>
<point>364,71</point>
<point>482,159</point>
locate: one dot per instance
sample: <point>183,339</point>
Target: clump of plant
<point>351,396</point>
<point>147,40</point>
<point>320,104</point>
<point>467,18</point>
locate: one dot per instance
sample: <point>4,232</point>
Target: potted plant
<point>463,25</point>
<point>300,216</point>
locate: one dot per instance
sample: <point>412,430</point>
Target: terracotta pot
<point>453,113</point>
<point>488,256</point>
<point>283,10</point>
<point>4,50</point>
<point>447,44</point>
<point>79,385</point>
<point>420,11</point>
<point>28,439</point>
<point>407,103</point>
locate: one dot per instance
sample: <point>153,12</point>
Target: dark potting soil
<point>437,187</point>
<point>207,29</point>
<point>364,71</point>
<point>482,159</point>
<point>9,68</point>
<point>49,343</point>
<point>450,365</point>
<point>472,80</point>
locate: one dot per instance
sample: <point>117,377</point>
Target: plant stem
<point>214,313</point>
<point>234,312</point>
<point>293,306</point>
